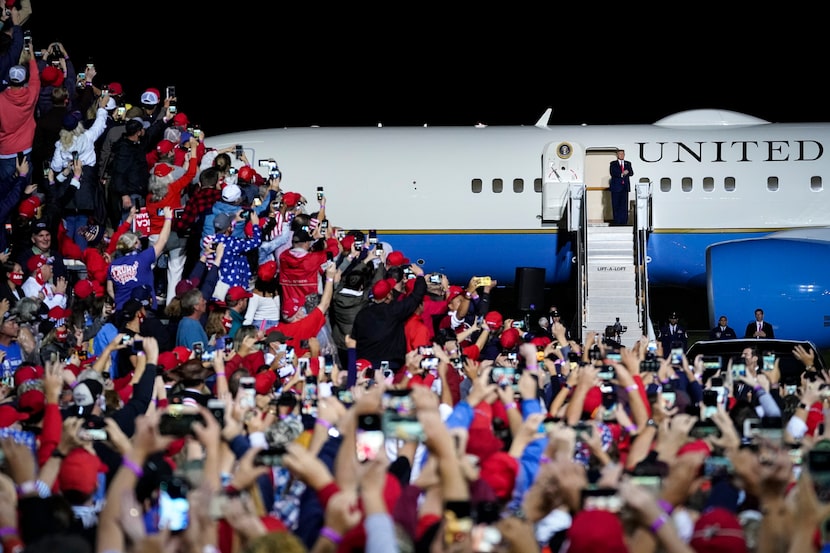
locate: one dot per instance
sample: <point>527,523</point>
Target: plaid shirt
<point>200,203</point>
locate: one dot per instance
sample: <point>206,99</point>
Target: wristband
<point>631,388</point>
<point>631,428</point>
<point>657,524</point>
<point>8,531</point>
<point>666,506</point>
<point>531,367</point>
<point>324,423</point>
<point>803,406</point>
<point>330,534</point>
<point>137,470</point>
<point>511,405</point>
<point>408,374</point>
<point>220,374</point>
<point>329,280</point>
<point>758,389</point>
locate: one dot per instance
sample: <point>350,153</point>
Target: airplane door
<point>563,164</point>
<point>598,179</point>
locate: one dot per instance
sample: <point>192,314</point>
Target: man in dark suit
<point>759,328</point>
<point>722,331</point>
<point>620,187</point>
<point>673,335</point>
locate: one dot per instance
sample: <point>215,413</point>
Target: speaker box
<point>530,288</point>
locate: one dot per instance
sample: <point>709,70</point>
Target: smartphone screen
<point>614,356</point>
<point>677,356</point>
<point>772,429</point>
<point>248,386</point>
<point>769,361</point>
<point>710,404</point>
<point>601,499</point>
<point>400,421</point>
<point>504,377</point>
<point>369,439</point>
<point>174,508</point>
<point>309,400</point>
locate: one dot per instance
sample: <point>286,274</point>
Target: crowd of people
<point>196,359</point>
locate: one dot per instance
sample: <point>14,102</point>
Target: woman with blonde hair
<point>74,164</point>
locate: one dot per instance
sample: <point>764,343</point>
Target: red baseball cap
<point>396,258</point>
<point>237,293</point>
<point>454,292</point>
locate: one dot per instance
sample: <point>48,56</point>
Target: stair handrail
<point>643,225</point>
<point>578,224</point>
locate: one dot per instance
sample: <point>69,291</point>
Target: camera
<point>650,364</point>
<point>273,169</point>
<point>271,457</point>
<point>615,329</point>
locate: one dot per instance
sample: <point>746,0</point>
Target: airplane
<point>737,204</point>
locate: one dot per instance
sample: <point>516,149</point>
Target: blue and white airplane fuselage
<point>486,200</point>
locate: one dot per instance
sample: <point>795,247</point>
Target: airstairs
<point>611,282</point>
<point>612,270</point>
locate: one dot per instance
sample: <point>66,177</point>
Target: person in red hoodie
<point>17,114</point>
<point>301,266</point>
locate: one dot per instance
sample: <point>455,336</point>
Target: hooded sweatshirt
<point>17,114</point>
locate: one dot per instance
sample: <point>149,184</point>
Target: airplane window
<point>772,184</point>
<point>537,186</point>
<point>815,184</point>
<point>518,186</point>
<point>686,184</point>
<point>708,184</point>
<point>665,184</point>
<point>729,184</point>
<point>498,186</point>
<point>477,186</point>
